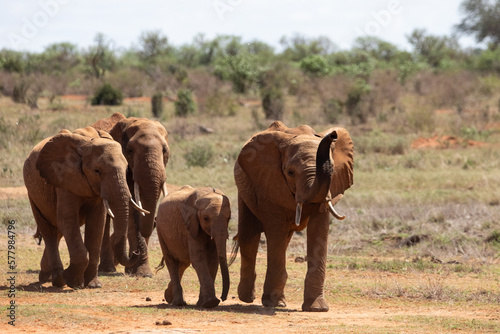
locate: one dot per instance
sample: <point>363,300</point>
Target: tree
<point>153,45</point>
<point>482,19</point>
<point>433,49</point>
<point>100,57</point>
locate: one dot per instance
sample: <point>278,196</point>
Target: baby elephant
<point>192,229</point>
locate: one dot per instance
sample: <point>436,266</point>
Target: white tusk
<point>137,194</point>
<point>164,189</point>
<point>108,209</point>
<point>298,213</point>
<point>139,208</point>
<point>333,212</point>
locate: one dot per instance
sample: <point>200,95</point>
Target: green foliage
<point>107,95</point>
<point>185,104</point>
<point>315,66</point>
<point>487,61</point>
<point>473,133</point>
<point>481,19</point>
<point>241,70</point>
<point>435,50</point>
<point>359,90</point>
<point>199,155</point>
<point>157,105</point>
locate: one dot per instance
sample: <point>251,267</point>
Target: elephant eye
<point>97,171</point>
<point>205,218</point>
<point>290,173</point>
<point>130,151</point>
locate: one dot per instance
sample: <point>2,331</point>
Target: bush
<point>157,104</point>
<point>200,155</point>
<point>107,95</point>
<point>315,66</point>
<point>273,103</point>
<point>332,109</point>
<point>185,104</point>
<point>19,92</point>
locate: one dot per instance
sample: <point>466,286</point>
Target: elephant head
<point>144,144</point>
<point>208,211</point>
<point>90,164</point>
<point>297,166</point>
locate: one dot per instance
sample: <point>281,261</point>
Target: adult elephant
<point>192,229</point>
<point>74,178</point>
<point>289,179</point>
<point>144,144</point>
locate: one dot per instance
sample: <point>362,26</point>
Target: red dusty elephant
<point>289,179</point>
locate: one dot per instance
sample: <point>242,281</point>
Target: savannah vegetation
<point>423,225</point>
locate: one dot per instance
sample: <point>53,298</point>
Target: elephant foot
<point>107,267</point>
<point>169,295</point>
<point>94,284</point>
<point>246,295</point>
<point>142,270</point>
<point>273,301</point>
<point>44,276</point>
<point>315,305</point>
<point>58,278</point>
<point>73,280</point>
<point>209,303</point>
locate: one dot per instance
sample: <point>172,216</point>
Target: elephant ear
<point>190,215</point>
<point>60,163</point>
<point>343,159</point>
<point>261,161</point>
<point>107,124</point>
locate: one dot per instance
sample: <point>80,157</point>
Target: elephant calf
<point>192,229</point>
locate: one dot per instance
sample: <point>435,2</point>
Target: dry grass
<point>376,282</point>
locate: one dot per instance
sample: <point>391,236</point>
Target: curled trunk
<point>324,170</point>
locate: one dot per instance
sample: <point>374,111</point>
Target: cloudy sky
<point>33,24</point>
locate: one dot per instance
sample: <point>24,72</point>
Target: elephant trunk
<point>148,185</point>
<point>220,242</point>
<point>120,226</point>
<point>317,192</point>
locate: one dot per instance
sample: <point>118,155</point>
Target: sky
<point>32,25</point>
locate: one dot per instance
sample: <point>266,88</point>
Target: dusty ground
<point>446,300</point>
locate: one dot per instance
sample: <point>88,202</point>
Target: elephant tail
<point>234,251</point>
<point>38,236</point>
<point>161,265</point>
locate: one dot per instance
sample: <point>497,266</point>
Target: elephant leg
<point>174,294</point>
<point>249,231</point>
<point>51,267</point>
<point>317,243</point>
<point>107,263</point>
<point>141,267</point>
<point>94,228</point>
<point>51,259</point>
<point>276,275</point>
<point>213,262</point>
<point>78,255</point>
<point>200,264</point>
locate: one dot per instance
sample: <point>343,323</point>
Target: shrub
<point>157,104</point>
<point>199,155</point>
<point>332,109</point>
<point>185,104</point>
<point>315,66</point>
<point>107,95</point>
<point>273,103</point>
<point>19,92</point>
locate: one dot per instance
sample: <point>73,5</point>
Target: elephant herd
<point>114,171</point>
